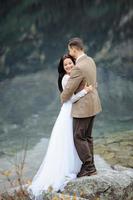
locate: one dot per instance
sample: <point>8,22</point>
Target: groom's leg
<point>82,129</point>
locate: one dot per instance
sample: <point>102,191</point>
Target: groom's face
<point>71,51</point>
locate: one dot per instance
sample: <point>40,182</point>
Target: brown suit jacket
<point>84,72</point>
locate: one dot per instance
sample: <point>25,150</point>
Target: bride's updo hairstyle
<point>61,70</point>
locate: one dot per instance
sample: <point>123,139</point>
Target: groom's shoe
<point>81,174</point>
<point>92,174</point>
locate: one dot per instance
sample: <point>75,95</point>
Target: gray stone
<point>59,196</point>
<point>111,183</point>
<point>114,183</point>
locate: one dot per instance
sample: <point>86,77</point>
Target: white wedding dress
<point>61,162</point>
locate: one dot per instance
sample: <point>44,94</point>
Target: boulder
<point>111,183</point>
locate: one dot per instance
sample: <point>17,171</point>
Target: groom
<point>84,110</point>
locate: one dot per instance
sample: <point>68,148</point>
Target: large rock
<point>111,183</point>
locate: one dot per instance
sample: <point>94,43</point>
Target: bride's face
<point>68,65</point>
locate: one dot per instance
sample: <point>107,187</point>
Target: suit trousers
<point>82,130</point>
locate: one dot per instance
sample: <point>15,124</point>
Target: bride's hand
<point>88,88</point>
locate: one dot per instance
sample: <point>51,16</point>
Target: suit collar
<point>81,58</point>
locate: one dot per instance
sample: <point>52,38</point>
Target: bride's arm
<point>82,93</point>
<point>76,97</point>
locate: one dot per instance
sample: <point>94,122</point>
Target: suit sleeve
<point>73,83</point>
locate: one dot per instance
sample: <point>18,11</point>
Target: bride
<point>61,162</point>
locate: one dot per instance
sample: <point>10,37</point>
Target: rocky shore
<point>116,148</point>
<point>109,184</point>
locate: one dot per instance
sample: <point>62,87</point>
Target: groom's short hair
<point>76,42</point>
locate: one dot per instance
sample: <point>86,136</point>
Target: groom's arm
<point>73,83</point>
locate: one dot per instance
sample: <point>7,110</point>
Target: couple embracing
<point>70,150</point>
